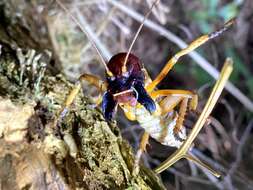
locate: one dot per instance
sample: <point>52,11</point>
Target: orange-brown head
<point>133,64</point>
<point>125,87</point>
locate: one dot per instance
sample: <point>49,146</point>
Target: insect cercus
<point>129,86</point>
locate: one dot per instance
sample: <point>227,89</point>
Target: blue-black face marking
<point>121,83</point>
<point>108,106</point>
<point>118,84</point>
<point>143,97</point>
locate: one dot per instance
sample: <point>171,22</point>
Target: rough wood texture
<point>34,154</point>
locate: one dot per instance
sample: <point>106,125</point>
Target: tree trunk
<point>83,152</point>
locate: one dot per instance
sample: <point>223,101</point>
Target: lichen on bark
<point>83,152</point>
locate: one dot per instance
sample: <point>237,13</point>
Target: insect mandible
<point>129,86</point>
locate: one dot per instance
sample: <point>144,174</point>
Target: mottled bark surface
<point>84,152</point>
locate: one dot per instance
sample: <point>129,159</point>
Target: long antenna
<point>87,34</point>
<point>124,69</point>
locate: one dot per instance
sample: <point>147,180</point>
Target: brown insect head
<point>125,87</point>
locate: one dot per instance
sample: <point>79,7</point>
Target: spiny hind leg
<point>181,116</point>
<point>93,80</point>
<point>168,104</point>
<point>174,98</point>
<point>191,47</point>
<point>183,151</point>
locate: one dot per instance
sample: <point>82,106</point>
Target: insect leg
<point>181,116</point>
<point>192,46</point>
<point>182,152</point>
<point>174,97</point>
<point>192,158</point>
<point>141,149</point>
<point>168,102</point>
<point>95,81</point>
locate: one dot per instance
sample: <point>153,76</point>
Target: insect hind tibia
<point>182,152</point>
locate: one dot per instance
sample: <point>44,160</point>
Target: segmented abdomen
<point>160,127</point>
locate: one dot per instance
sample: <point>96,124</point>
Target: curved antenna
<point>124,69</point>
<point>87,34</point>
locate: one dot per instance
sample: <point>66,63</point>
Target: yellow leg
<point>85,77</point>
<point>174,97</point>
<point>142,148</point>
<point>169,103</point>
<point>181,116</point>
<point>182,152</point>
<point>99,100</point>
<point>94,80</point>
<point>195,44</point>
<point>181,96</point>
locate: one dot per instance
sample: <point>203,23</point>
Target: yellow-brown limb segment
<point>166,92</point>
<point>174,97</point>
<point>93,80</point>
<point>142,148</point>
<point>144,141</point>
<point>181,115</point>
<point>182,152</point>
<point>192,46</point>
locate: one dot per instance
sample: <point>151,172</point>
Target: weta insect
<point>129,86</point>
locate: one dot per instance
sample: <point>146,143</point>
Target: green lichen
<point>103,159</point>
<point>100,159</point>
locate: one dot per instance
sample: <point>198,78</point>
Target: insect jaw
<point>109,106</point>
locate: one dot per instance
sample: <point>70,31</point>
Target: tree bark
<point>83,152</point>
